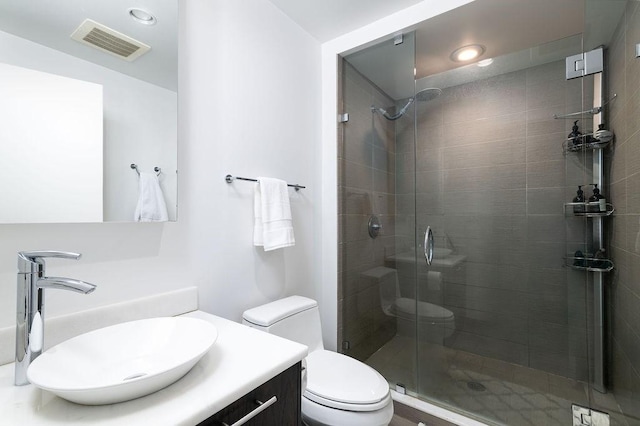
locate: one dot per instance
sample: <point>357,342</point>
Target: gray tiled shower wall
<point>623,288</point>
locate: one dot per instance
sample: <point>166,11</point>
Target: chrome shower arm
<point>394,117</point>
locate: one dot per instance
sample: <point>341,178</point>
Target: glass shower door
<point>502,325</point>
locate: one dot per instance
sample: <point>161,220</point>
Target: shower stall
<point>468,276</point>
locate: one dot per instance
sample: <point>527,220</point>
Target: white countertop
<point>241,359</point>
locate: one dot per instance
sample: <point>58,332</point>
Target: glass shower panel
<point>377,256</point>
<point>502,327</point>
<point>615,24</point>
<point>503,324</point>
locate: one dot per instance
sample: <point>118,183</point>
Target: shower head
<point>428,94</point>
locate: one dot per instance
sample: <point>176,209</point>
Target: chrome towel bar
<point>229,179</point>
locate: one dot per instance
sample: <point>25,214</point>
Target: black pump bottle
<point>597,198</point>
<point>579,198</point>
<point>575,134</point>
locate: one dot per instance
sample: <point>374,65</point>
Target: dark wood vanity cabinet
<point>284,411</point>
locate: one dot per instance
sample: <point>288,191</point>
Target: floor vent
<point>475,386</point>
<point>109,40</point>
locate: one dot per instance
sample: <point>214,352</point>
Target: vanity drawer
<point>284,411</point>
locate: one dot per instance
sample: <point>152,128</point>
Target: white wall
<point>129,106</point>
<point>249,105</point>
<point>251,90</point>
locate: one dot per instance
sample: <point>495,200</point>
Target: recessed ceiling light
<point>467,53</point>
<point>142,16</point>
<point>485,62</point>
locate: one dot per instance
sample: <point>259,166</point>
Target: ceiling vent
<point>111,41</point>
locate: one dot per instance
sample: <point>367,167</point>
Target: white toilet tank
<point>295,318</point>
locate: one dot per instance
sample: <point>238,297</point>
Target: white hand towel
<point>151,206</point>
<point>273,227</point>
<point>258,232</point>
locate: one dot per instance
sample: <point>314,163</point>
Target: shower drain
<point>475,386</point>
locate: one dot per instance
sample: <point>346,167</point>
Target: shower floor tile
<point>490,390</point>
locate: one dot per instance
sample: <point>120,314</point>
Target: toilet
<point>435,322</point>
<point>337,390</point>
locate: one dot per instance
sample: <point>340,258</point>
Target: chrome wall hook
<point>156,169</point>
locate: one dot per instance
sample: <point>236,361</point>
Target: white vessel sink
<point>124,361</point>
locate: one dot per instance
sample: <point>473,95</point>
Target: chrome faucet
<point>30,307</point>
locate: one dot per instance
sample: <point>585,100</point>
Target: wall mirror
<point>89,88</point>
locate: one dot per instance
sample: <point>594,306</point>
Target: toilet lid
<point>407,307</point>
<point>336,377</point>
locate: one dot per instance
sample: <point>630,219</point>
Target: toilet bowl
<point>435,322</point>
<point>339,390</point>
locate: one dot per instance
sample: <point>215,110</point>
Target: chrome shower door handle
<point>428,245</point>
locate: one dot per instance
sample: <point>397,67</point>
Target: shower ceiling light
<point>467,53</point>
<point>485,62</point>
<point>142,16</point>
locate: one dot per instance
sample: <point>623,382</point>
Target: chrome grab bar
<point>261,407</point>
<point>428,245</point>
<point>592,111</point>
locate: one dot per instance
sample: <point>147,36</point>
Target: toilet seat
<point>338,381</point>
<point>406,308</point>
